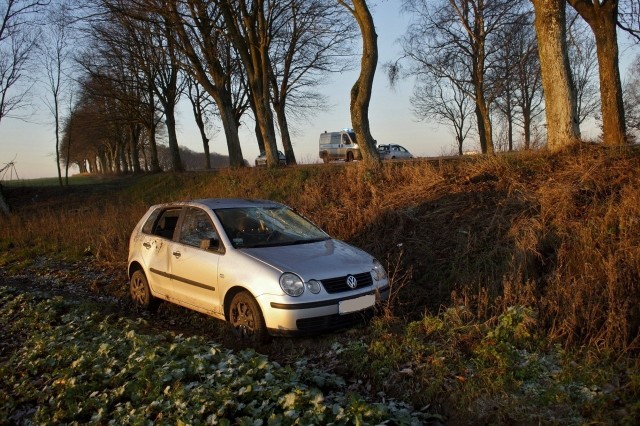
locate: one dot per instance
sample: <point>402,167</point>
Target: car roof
<point>224,203</point>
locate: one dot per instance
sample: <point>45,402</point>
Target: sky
<point>31,143</point>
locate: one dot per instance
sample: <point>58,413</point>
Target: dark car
<point>261,160</point>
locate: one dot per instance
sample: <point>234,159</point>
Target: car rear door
<point>194,260</point>
<point>156,242</point>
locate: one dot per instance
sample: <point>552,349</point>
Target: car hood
<point>321,260</point>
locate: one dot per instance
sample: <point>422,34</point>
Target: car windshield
<point>250,227</point>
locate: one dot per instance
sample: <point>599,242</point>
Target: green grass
<point>76,365</point>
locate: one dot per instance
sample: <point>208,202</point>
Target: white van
<point>339,146</point>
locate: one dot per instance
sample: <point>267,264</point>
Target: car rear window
<point>162,223</point>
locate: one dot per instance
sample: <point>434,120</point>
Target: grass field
<point>516,278</point>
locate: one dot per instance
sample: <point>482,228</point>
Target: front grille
<point>333,322</point>
<point>339,284</point>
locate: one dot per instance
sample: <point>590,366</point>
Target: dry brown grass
<point>560,233</point>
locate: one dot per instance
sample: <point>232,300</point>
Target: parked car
<point>261,160</point>
<point>392,152</point>
<point>256,264</point>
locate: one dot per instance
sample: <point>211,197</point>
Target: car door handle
<point>146,245</point>
<point>177,254</point>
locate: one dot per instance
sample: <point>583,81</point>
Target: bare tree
<point>584,67</point>
<point>559,94</point>
<point>313,38</point>
<point>213,63</point>
<point>507,59</point>
<point>448,34</point>
<point>444,102</point>
<point>144,34</point>
<point>362,88</point>
<point>56,51</point>
<point>528,82</point>
<point>519,96</point>
<point>632,98</point>
<point>249,27</point>
<point>629,18</point>
<point>18,37</point>
<point>602,17</point>
<point>201,105</point>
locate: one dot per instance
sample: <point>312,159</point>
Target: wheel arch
<point>229,296</point>
<point>133,267</point>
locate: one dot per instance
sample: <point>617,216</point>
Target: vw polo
<point>254,263</point>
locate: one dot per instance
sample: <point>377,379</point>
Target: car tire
<point>349,156</point>
<point>141,293</point>
<point>246,318</point>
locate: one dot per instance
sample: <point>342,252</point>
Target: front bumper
<point>285,319</point>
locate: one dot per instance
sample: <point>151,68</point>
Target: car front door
<point>194,262</point>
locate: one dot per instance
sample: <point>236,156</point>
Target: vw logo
<point>352,281</point>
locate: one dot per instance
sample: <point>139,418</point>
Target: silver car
<point>261,160</point>
<point>254,263</point>
<point>393,152</point>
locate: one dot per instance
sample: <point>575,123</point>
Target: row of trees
<point>135,59</point>
<point>474,61</point>
<point>480,61</point>
<point>230,58</point>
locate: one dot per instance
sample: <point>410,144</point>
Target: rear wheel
<point>246,318</point>
<point>141,293</point>
<point>325,157</point>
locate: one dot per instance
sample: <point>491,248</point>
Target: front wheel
<point>141,293</point>
<point>246,318</point>
<point>349,156</point>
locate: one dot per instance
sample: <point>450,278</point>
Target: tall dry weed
<point>560,233</point>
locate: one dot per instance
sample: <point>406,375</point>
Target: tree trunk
<point>510,129</point>
<point>135,143</point>
<point>264,117</point>
<point>526,119</point>
<point>361,90</point>
<point>483,115</point>
<point>231,132</point>
<point>560,99</point>
<point>155,162</point>
<point>4,206</point>
<point>484,124</point>
<point>284,132</point>
<point>197,114</point>
<point>66,170</point>
<point>174,150</point>
<point>57,125</point>
<point>250,32</point>
<point>602,18</point>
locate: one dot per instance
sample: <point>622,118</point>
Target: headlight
<point>378,271</point>
<point>314,286</point>
<point>291,284</point>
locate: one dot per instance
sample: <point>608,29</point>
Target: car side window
<point>148,225</point>
<point>197,229</point>
<point>166,224</point>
